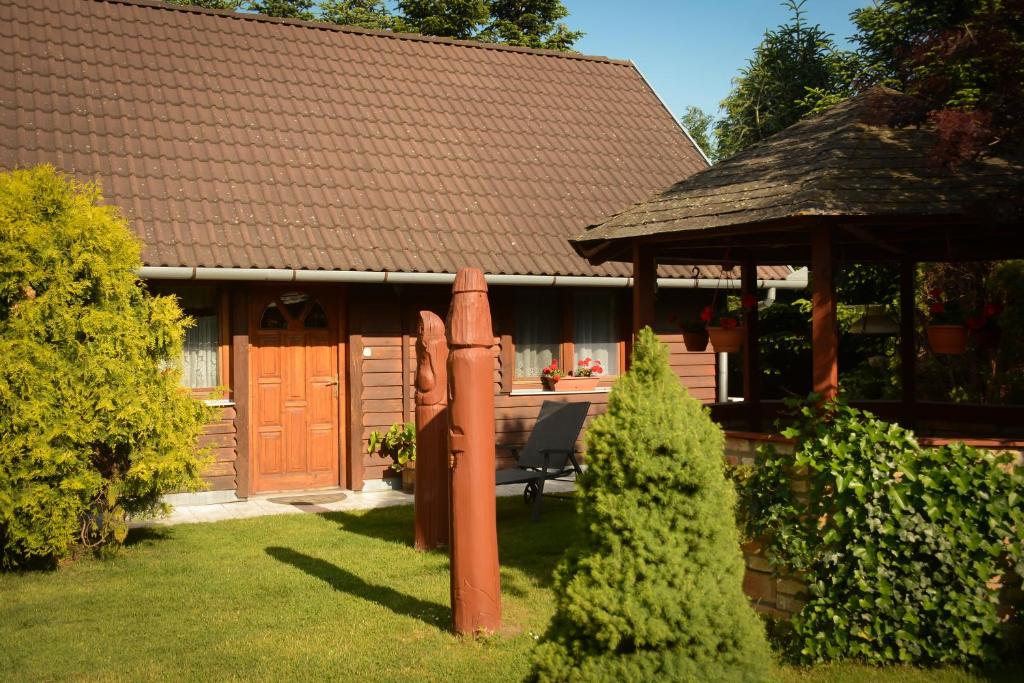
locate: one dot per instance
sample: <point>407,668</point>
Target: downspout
<point>722,359</point>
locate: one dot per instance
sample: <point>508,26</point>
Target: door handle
<point>333,382</point>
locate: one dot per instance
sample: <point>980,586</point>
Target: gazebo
<point>845,186</point>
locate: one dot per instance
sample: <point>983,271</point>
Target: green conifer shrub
<point>94,425</point>
<point>652,589</point>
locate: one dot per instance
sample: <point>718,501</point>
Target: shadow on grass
<point>147,536</point>
<point>532,547</point>
<point>430,613</point>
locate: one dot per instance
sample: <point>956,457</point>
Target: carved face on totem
<point>431,360</point>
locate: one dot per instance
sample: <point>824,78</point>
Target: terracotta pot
<point>696,341</point>
<point>726,340</point>
<point>550,383</point>
<point>577,384</point>
<point>409,477</point>
<point>947,339</point>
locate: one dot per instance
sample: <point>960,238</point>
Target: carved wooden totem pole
<point>432,486</point>
<point>475,586</point>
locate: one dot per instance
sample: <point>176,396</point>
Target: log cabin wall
<point>220,436</point>
<point>382,337</point>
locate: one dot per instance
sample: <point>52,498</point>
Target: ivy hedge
<point>902,547</point>
<point>94,424</point>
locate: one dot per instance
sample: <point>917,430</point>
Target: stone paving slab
<point>261,506</point>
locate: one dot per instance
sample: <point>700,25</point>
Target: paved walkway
<point>259,506</point>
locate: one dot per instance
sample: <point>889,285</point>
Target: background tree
<point>285,9</point>
<point>530,23</point>
<point>700,125</point>
<point>652,588</point>
<point>963,59</point>
<point>233,5</point>
<point>371,14</point>
<point>448,18</point>
<point>94,424</point>
<point>795,66</point>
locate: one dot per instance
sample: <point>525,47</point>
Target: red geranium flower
<point>937,307</point>
<point>748,301</point>
<point>554,364</point>
<point>729,323</point>
<point>707,314</point>
<point>598,369</point>
<point>992,309</point>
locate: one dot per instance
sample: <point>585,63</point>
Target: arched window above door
<point>294,310</point>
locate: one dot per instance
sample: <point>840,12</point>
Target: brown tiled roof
<point>235,140</point>
<point>849,163</point>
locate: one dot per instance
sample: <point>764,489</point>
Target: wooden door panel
<point>320,448</point>
<point>294,374</point>
<point>295,438</point>
<point>268,400</point>
<point>297,392</point>
<point>268,445</point>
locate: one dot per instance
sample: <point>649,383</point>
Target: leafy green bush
<point>898,544</point>
<point>93,423</point>
<point>652,589</point>
<point>398,443</point>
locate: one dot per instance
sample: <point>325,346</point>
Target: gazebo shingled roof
<point>879,185</point>
<point>845,185</point>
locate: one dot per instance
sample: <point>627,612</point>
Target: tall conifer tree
<point>652,590</point>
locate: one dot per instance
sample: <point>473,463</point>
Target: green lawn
<point>333,596</point>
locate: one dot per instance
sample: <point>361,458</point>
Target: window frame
<point>222,308</point>
<point>567,345</point>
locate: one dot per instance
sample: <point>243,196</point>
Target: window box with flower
<point>725,329</point>
<point>946,329</point>
<point>584,378</point>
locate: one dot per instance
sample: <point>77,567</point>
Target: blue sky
<point>690,50</point>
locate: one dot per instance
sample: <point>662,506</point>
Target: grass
<point>299,597</point>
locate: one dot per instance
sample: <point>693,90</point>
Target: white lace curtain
<point>199,359</point>
<point>538,319</point>
<point>594,334</point>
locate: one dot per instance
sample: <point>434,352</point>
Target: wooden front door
<point>296,391</point>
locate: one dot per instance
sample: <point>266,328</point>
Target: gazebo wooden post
<point>645,283</point>
<point>824,327</point>
<point>751,348</point>
<point>908,341</point>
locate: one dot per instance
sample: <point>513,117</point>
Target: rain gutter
<point>797,280</point>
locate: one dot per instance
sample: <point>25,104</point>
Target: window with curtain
<point>595,330</point>
<point>538,323</point>
<point>200,360</point>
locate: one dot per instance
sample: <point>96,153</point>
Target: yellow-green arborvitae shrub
<point>94,425</point>
<point>652,590</point>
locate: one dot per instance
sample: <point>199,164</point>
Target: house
<point>305,189</point>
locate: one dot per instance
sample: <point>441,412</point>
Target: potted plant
<point>983,327</point>
<point>399,444</point>
<point>584,378</point>
<point>550,375</point>
<point>946,331</point>
<point>695,332</point>
<point>726,329</point>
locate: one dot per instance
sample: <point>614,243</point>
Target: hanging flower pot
<point>695,340</point>
<point>726,339</point>
<point>947,339</point>
<point>946,331</point>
